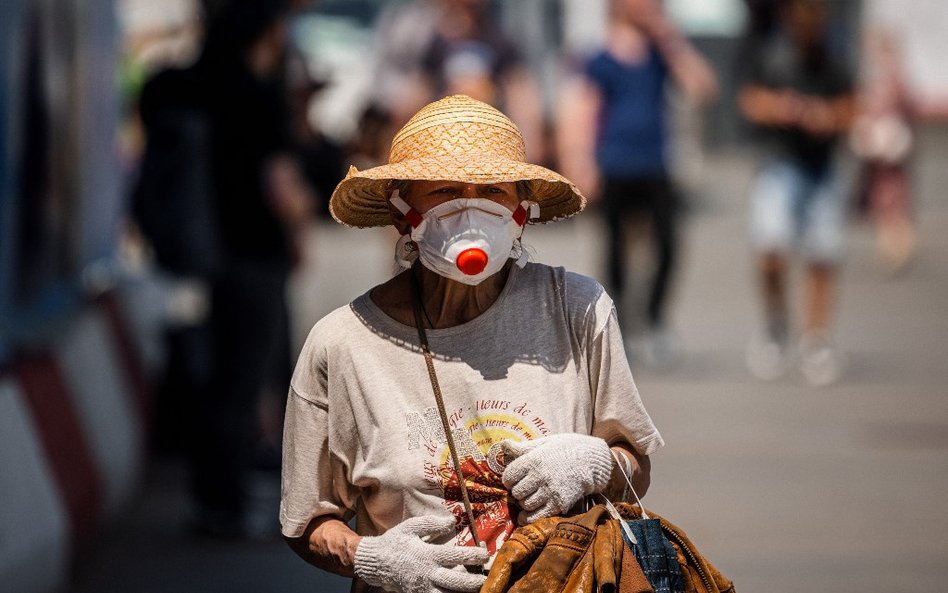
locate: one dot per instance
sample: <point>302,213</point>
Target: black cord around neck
<point>439,399</point>
<point>416,288</point>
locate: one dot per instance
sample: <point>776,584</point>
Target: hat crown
<point>458,125</point>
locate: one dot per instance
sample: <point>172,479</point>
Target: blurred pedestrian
<point>320,156</point>
<point>402,35</point>
<point>262,205</point>
<point>173,206</point>
<point>800,96</point>
<point>432,48</point>
<point>883,138</point>
<point>613,141</point>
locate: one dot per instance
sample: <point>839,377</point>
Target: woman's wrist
<point>350,546</point>
<point>329,544</point>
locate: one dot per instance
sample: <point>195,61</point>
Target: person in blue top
<point>612,140</point>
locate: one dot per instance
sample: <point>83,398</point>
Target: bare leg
<point>821,288</point>
<point>819,361</point>
<point>895,239</point>
<point>767,354</point>
<point>773,275</point>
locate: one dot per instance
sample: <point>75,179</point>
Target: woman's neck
<point>445,303</point>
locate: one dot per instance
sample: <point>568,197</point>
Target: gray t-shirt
<point>363,435</point>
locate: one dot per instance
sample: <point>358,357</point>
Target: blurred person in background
<point>402,35</point>
<point>800,97</point>
<point>613,141</point>
<point>367,148</point>
<point>173,206</point>
<point>883,138</point>
<point>321,157</point>
<point>263,206</point>
<point>537,393</point>
<point>432,48</point>
<point>253,204</point>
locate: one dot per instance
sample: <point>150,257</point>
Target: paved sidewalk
<point>784,487</point>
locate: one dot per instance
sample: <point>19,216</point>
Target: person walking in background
<point>613,141</point>
<point>883,138</point>
<point>801,99</point>
<point>261,206</point>
<point>432,48</point>
<point>402,35</point>
<point>320,157</point>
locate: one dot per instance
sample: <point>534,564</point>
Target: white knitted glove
<point>551,473</point>
<point>400,560</point>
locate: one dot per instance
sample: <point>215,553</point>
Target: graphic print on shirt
<point>477,431</point>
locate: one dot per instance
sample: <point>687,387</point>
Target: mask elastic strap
<point>410,214</point>
<point>520,216</point>
<point>527,210</point>
<point>405,251</point>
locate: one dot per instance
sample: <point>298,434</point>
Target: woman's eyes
<point>493,189</point>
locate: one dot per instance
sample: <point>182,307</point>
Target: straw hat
<point>454,139</point>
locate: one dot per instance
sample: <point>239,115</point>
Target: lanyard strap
<point>423,338</point>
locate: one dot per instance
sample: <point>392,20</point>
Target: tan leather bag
<point>578,554</point>
<point>585,553</point>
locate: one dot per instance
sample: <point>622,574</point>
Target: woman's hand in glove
<point>401,560</point>
<point>551,473</point>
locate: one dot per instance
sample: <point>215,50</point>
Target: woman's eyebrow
<point>441,186</point>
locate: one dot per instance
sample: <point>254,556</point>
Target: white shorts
<point>792,208</point>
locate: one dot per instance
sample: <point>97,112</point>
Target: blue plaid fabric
<point>656,556</point>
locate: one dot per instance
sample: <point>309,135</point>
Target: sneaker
<point>768,358</point>
<point>819,360</point>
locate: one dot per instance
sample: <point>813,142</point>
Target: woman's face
<point>425,195</point>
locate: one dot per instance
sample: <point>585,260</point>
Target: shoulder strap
<point>436,388</point>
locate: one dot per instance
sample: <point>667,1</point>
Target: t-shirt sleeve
<point>313,477</point>
<point>618,412</point>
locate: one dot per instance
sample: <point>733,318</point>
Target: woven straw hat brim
<point>361,199</point>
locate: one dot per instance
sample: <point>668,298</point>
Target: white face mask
<point>466,240</point>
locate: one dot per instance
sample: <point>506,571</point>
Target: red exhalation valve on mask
<point>472,261</point>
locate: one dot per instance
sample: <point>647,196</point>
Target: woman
<point>537,393</point>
